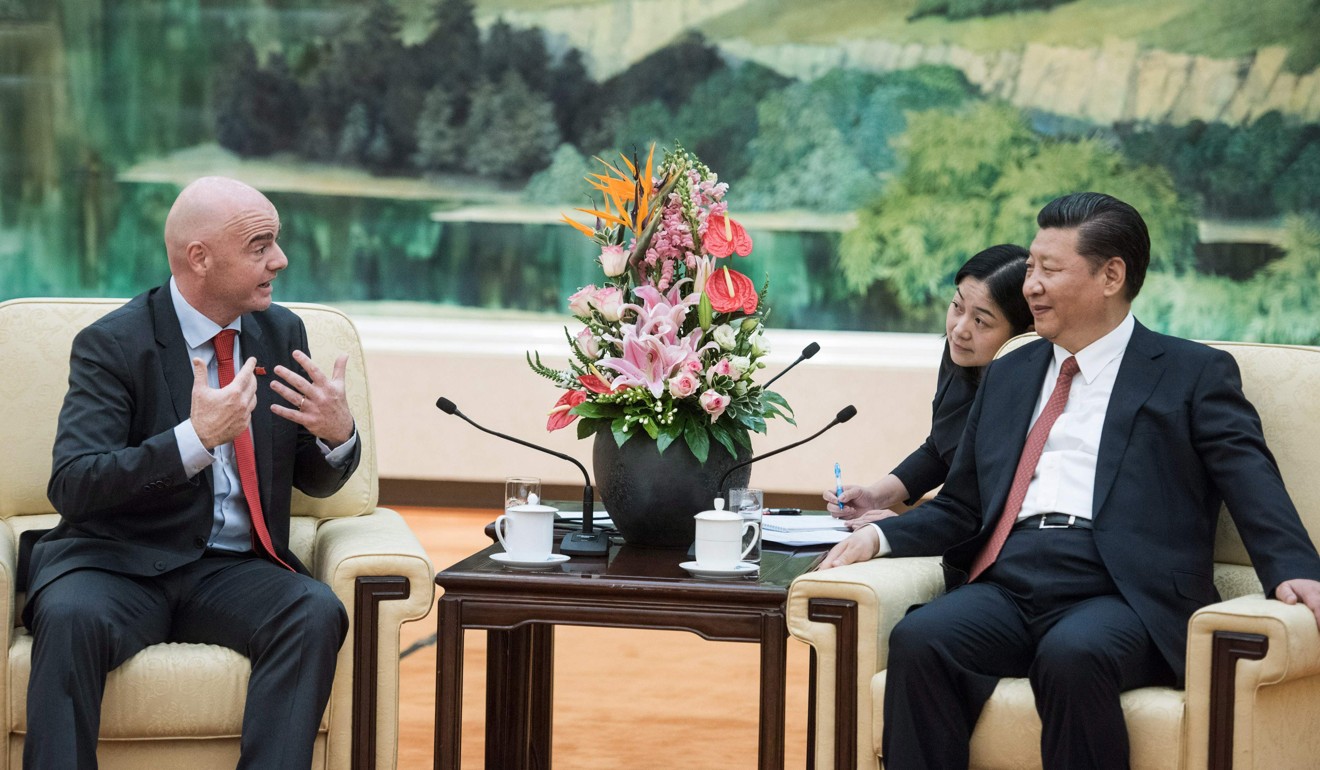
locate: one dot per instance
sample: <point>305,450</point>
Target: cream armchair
<point>1253,665</point>
<point>180,705</point>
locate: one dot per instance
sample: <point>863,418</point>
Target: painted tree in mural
<point>511,130</point>
<point>571,90</point>
<point>1259,169</point>
<point>976,177</point>
<point>966,9</point>
<point>258,110</point>
<point>452,54</point>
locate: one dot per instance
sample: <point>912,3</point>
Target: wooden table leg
<point>449,685</point>
<point>541,686</point>
<point>500,699</point>
<point>774,659</point>
<point>520,697</point>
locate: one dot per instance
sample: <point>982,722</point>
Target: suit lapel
<point>1139,373</point>
<point>174,357</point>
<point>254,346</point>
<point>1009,425</point>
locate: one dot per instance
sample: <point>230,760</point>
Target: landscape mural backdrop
<point>421,151</point>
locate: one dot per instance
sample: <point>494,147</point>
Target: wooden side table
<point>632,588</point>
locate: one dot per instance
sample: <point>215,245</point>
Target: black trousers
<point>1046,610</point>
<point>88,622</point>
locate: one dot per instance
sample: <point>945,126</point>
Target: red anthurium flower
<point>595,383</point>
<point>730,290</point>
<point>725,236</point>
<point>562,415</point>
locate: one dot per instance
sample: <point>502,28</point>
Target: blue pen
<point>838,486</point>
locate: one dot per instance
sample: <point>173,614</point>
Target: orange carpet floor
<point>632,700</point>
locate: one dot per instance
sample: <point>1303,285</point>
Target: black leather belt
<point>1053,521</point>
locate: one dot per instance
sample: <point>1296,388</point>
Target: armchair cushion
<point>1007,736</point>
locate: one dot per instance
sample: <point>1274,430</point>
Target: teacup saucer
<point>739,569</point>
<point>508,561</point>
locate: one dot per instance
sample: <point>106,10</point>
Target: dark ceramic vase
<point>652,497</point>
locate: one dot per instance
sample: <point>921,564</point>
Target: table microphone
<point>845,414</point>
<point>807,352</point>
<point>584,543</point>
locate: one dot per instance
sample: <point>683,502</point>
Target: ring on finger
<point>301,400</point>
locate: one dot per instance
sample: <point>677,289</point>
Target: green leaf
<point>597,411</point>
<point>651,430</point>
<point>742,437</point>
<point>698,440</point>
<point>721,435</point>
<point>664,440</point>
<point>775,398</point>
<point>587,426</point>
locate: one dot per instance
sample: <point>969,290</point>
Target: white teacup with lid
<point>527,531</point>
<point>720,535</point>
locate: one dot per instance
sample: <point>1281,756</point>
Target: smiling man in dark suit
<point>174,464</point>
<point>1077,523</point>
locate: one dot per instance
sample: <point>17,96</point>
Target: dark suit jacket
<point>1179,437</point>
<point>118,482</point>
<point>928,466</point>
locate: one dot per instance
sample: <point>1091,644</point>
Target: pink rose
<point>683,384</point>
<point>714,404</point>
<point>692,365</point>
<point>613,260</point>
<point>580,303</point>
<point>723,368</point>
<point>587,343</point>
<point>607,302</point>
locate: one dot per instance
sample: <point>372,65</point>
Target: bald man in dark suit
<point>174,463</point>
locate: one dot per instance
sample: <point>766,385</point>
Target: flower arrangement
<point>672,336</point>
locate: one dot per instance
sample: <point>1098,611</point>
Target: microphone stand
<point>587,542</point>
<point>807,352</point>
<point>845,414</point>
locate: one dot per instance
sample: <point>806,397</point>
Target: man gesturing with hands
<point>174,464</point>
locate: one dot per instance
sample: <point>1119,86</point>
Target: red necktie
<point>243,452</point>
<point>1026,469</point>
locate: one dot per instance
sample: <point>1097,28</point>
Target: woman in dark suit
<point>987,309</point>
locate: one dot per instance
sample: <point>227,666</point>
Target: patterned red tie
<point>244,453</point>
<point>1026,469</point>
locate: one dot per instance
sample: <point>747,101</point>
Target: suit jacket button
<point>160,566</point>
<point>200,542</point>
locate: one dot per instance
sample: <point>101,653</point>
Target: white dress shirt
<point>232,527</point>
<point>1064,481</point>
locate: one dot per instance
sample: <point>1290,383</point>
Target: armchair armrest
<point>1244,657</point>
<point>846,614</point>
<point>379,570</point>
<point>8,582</point>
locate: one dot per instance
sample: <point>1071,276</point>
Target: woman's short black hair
<point>1002,269</point>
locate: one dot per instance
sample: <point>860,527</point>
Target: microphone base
<point>580,543</point>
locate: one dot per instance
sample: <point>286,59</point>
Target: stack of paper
<point>802,530</point>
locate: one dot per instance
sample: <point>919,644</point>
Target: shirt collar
<point>197,328</point>
<point>1096,357</point>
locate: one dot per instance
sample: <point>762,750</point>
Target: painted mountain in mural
<point>422,149</point>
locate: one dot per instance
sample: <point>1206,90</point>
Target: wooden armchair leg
<point>842,614</point>
<point>1227,649</point>
<point>369,593</point>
